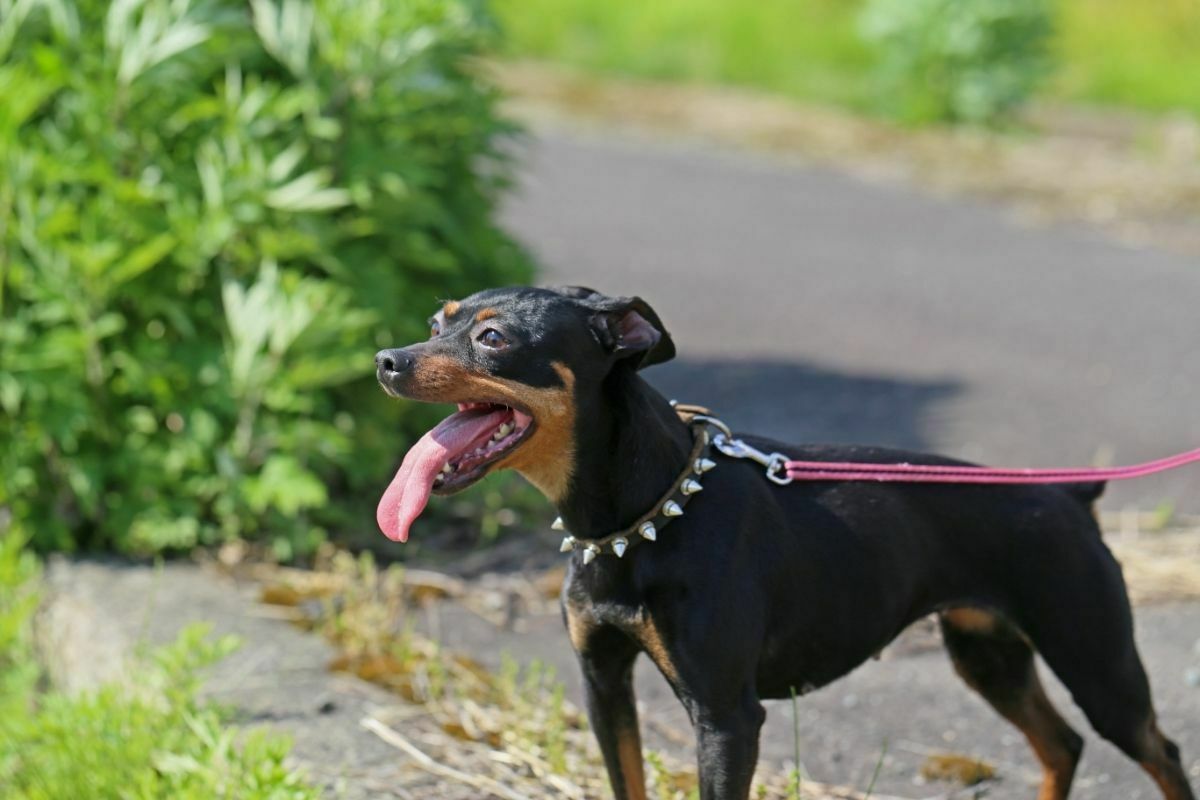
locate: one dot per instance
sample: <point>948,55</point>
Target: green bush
<point>211,214</point>
<point>949,60</point>
<point>19,574</point>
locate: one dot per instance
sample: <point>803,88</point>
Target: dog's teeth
<point>589,553</point>
<point>558,524</point>
<point>690,486</point>
<point>498,435</point>
<point>446,468</point>
<point>648,532</point>
<point>703,465</point>
<point>619,544</point>
<point>506,428</point>
<point>568,544</point>
<point>672,509</point>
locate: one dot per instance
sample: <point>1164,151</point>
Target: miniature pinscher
<point>756,590</point>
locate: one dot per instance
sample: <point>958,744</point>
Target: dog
<point>739,589</point>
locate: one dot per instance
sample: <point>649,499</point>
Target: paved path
<point>813,306</point>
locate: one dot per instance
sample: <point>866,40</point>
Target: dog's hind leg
<point>995,660</point>
<point>1089,644</point>
<point>1159,756</point>
<point>1115,696</point>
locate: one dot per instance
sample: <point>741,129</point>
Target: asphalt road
<point>814,306</point>
<point>817,307</point>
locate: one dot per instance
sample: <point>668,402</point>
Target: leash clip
<point>726,444</point>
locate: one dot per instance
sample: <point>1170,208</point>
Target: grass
<point>804,49</point>
<point>149,737</point>
<point>1141,55</point>
<point>1138,55</point>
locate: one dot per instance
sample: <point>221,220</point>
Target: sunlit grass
<point>148,736</point>
<point>804,49</point>
<point>1144,55</point>
<point>1140,55</point>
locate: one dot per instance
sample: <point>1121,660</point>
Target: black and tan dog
<point>755,589</point>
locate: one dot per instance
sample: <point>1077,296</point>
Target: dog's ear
<point>625,326</point>
<point>576,292</point>
<point>629,328</point>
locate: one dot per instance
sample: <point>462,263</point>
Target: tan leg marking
<point>629,752</point>
<point>1044,730</point>
<point>1168,774</point>
<point>650,638</point>
<point>547,458</point>
<point>1032,712</point>
<point>1042,726</point>
<point>972,620</point>
<point>579,628</point>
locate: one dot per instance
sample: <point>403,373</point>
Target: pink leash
<point>923,473</point>
<point>783,470</point>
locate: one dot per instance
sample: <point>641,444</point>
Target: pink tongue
<point>406,496</point>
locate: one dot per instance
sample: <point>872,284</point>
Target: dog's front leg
<point>607,661</point>
<point>727,745</point>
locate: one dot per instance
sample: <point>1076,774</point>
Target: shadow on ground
<point>799,402</point>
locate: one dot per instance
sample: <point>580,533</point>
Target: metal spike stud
<point>589,553</point>
<point>672,509</point>
<point>703,465</point>
<point>568,544</point>
<point>648,532</point>
<point>690,486</point>
<point>619,544</point>
<point>557,525</point>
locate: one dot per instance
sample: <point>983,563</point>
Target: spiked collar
<point>665,509</point>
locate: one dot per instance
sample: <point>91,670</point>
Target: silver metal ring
<point>716,423</point>
<point>777,470</point>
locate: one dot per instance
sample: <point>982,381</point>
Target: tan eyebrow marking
<point>451,308</point>
<point>487,313</point>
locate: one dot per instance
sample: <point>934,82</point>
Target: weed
<point>798,773</point>
<point>957,768</point>
<point>147,737</point>
<point>878,768</point>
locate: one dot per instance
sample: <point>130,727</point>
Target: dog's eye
<point>435,328</point>
<point>492,338</point>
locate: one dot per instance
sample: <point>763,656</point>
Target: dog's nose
<point>392,362</point>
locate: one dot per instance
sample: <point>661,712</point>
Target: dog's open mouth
<point>499,429</point>
<point>449,458</point>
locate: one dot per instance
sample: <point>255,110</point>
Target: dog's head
<point>515,361</point>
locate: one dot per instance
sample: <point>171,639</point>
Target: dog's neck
<point>630,447</point>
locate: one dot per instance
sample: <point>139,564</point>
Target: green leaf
<point>284,484</point>
<point>286,31</point>
<point>140,259</point>
<point>309,192</point>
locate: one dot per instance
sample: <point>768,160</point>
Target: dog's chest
<point>587,624</point>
